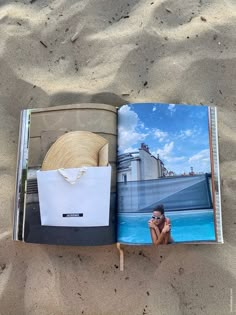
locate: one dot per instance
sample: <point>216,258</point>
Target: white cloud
<point>202,155</point>
<point>141,125</point>
<point>177,159</point>
<point>154,108</point>
<point>128,119</point>
<point>166,154</point>
<point>172,108</point>
<point>183,134</point>
<point>188,132</point>
<point>166,151</point>
<point>200,161</point>
<point>128,125</point>
<point>128,139</point>
<point>180,164</point>
<point>160,135</point>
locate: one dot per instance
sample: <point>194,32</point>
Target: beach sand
<point>114,52</point>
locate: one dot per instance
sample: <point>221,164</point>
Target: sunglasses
<point>156,218</point>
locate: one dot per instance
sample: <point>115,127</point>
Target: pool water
<point>186,226</point>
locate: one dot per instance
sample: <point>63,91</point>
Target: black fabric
<point>86,236</point>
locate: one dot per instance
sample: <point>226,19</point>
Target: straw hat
<point>76,149</point>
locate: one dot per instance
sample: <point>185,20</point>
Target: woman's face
<point>157,217</point>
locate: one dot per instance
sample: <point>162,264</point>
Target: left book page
<point>42,133</point>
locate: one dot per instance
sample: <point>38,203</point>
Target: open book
<point>159,185</point>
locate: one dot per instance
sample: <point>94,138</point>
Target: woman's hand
<point>166,228</point>
<point>151,224</point>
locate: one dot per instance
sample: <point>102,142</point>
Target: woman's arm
<point>157,240</point>
<point>157,236</point>
<point>157,230</point>
<point>168,238</point>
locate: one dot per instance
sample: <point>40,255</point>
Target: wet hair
<point>159,208</point>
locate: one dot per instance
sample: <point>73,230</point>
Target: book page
<point>21,176</point>
<point>62,204</point>
<point>165,182</point>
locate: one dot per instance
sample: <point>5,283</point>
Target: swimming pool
<point>186,226</point>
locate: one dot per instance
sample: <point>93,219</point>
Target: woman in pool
<point>160,227</point>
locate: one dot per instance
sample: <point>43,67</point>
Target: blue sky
<point>178,133</point>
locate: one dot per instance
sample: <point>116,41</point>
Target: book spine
<point>215,153</point>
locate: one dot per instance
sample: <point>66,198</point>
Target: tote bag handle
<point>81,172</point>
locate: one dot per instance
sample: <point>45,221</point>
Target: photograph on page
<point>164,175</point>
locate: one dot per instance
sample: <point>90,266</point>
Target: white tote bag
<point>78,197</point>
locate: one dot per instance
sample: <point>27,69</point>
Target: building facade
<point>139,165</point>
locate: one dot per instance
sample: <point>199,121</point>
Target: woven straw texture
<point>77,149</point>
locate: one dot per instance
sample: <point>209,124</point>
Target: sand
<point>114,52</point>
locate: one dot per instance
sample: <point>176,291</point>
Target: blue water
<point>186,226</point>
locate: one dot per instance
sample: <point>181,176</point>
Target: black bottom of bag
<point>84,236</point>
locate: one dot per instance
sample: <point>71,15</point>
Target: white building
<point>139,165</point>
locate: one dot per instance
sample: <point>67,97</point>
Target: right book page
<point>168,175</point>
